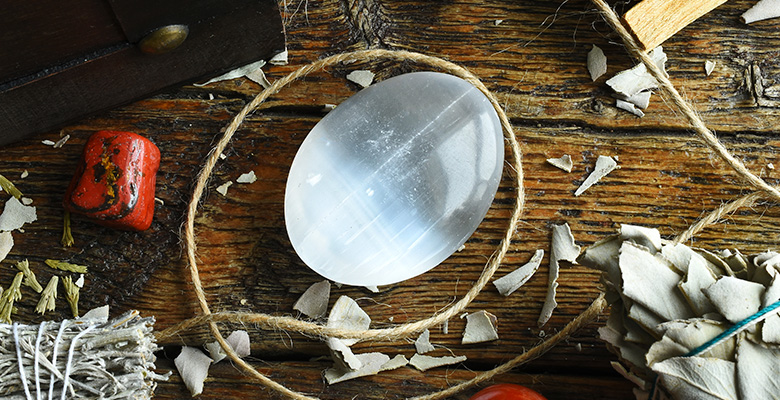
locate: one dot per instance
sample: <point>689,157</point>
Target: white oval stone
<point>394,180</point>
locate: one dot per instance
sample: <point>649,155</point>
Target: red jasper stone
<point>507,391</point>
<point>114,182</point>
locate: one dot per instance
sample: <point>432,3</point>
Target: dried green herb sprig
<point>71,295</point>
<point>65,266</point>
<point>9,296</point>
<point>29,276</point>
<point>67,236</point>
<point>10,188</point>
<point>48,297</point>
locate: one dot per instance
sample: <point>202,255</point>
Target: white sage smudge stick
<point>699,323</point>
<point>85,358</point>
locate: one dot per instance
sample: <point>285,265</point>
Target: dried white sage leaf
<point>347,314</point>
<point>16,214</point>
<point>709,66</point>
<point>314,301</point>
<point>698,278</point>
<point>193,367</point>
<point>641,99</point>
<point>423,343</point>
<point>758,368</point>
<point>279,59</point>
<point>630,107</point>
<point>396,362</point>
<point>236,73</point>
<point>480,327</point>
<point>248,177</point>
<point>698,378</point>
<point>239,342</point>
<point>512,281</point>
<point>371,364</point>
<point>647,237</point>
<point>637,79</point>
<point>764,9</point>
<point>734,298</point>
<point>604,165</point>
<point>562,248</point>
<point>564,162</point>
<point>597,63</point>
<point>424,363</point>
<point>6,244</point>
<point>342,355</point>
<point>223,188</point>
<point>361,77</point>
<point>650,281</point>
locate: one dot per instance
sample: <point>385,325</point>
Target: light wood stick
<point>654,21</point>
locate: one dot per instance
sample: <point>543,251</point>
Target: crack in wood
<point>368,20</point>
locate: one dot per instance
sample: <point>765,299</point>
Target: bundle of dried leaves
<point>88,358</point>
<point>670,300</point>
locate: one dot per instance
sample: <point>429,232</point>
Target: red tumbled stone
<point>114,182</point>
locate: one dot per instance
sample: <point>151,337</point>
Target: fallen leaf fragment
<point>564,162</point>
<point>637,79</point>
<point>641,99</point>
<point>15,215</point>
<point>239,342</point>
<point>562,248</point>
<point>692,377</point>
<point>764,9</point>
<point>709,66</point>
<point>604,165</point>
<point>396,362</point>
<point>6,244</point>
<point>361,77</point>
<point>223,188</point>
<point>423,343</point>
<point>734,298</point>
<point>512,281</point>
<point>342,355</point>
<point>313,303</point>
<point>279,59</point>
<point>347,314</point>
<point>236,73</point>
<point>480,327</point>
<point>597,63</point>
<point>58,144</point>
<point>424,363</point>
<point>97,313</point>
<point>630,107</point>
<point>371,364</point>
<point>193,367</point>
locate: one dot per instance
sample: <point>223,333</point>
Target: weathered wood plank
<point>667,179</point>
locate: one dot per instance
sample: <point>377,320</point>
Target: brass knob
<point>165,39</point>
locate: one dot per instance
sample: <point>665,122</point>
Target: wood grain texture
<point>534,59</point>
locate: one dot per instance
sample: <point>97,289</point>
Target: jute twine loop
<point>401,331</point>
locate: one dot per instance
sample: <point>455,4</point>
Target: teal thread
<point>737,328</point>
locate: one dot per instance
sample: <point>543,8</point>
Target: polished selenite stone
<point>394,180</point>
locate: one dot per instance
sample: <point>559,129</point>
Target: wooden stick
<point>654,21</point>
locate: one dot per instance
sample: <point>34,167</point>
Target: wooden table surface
<point>531,54</point>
